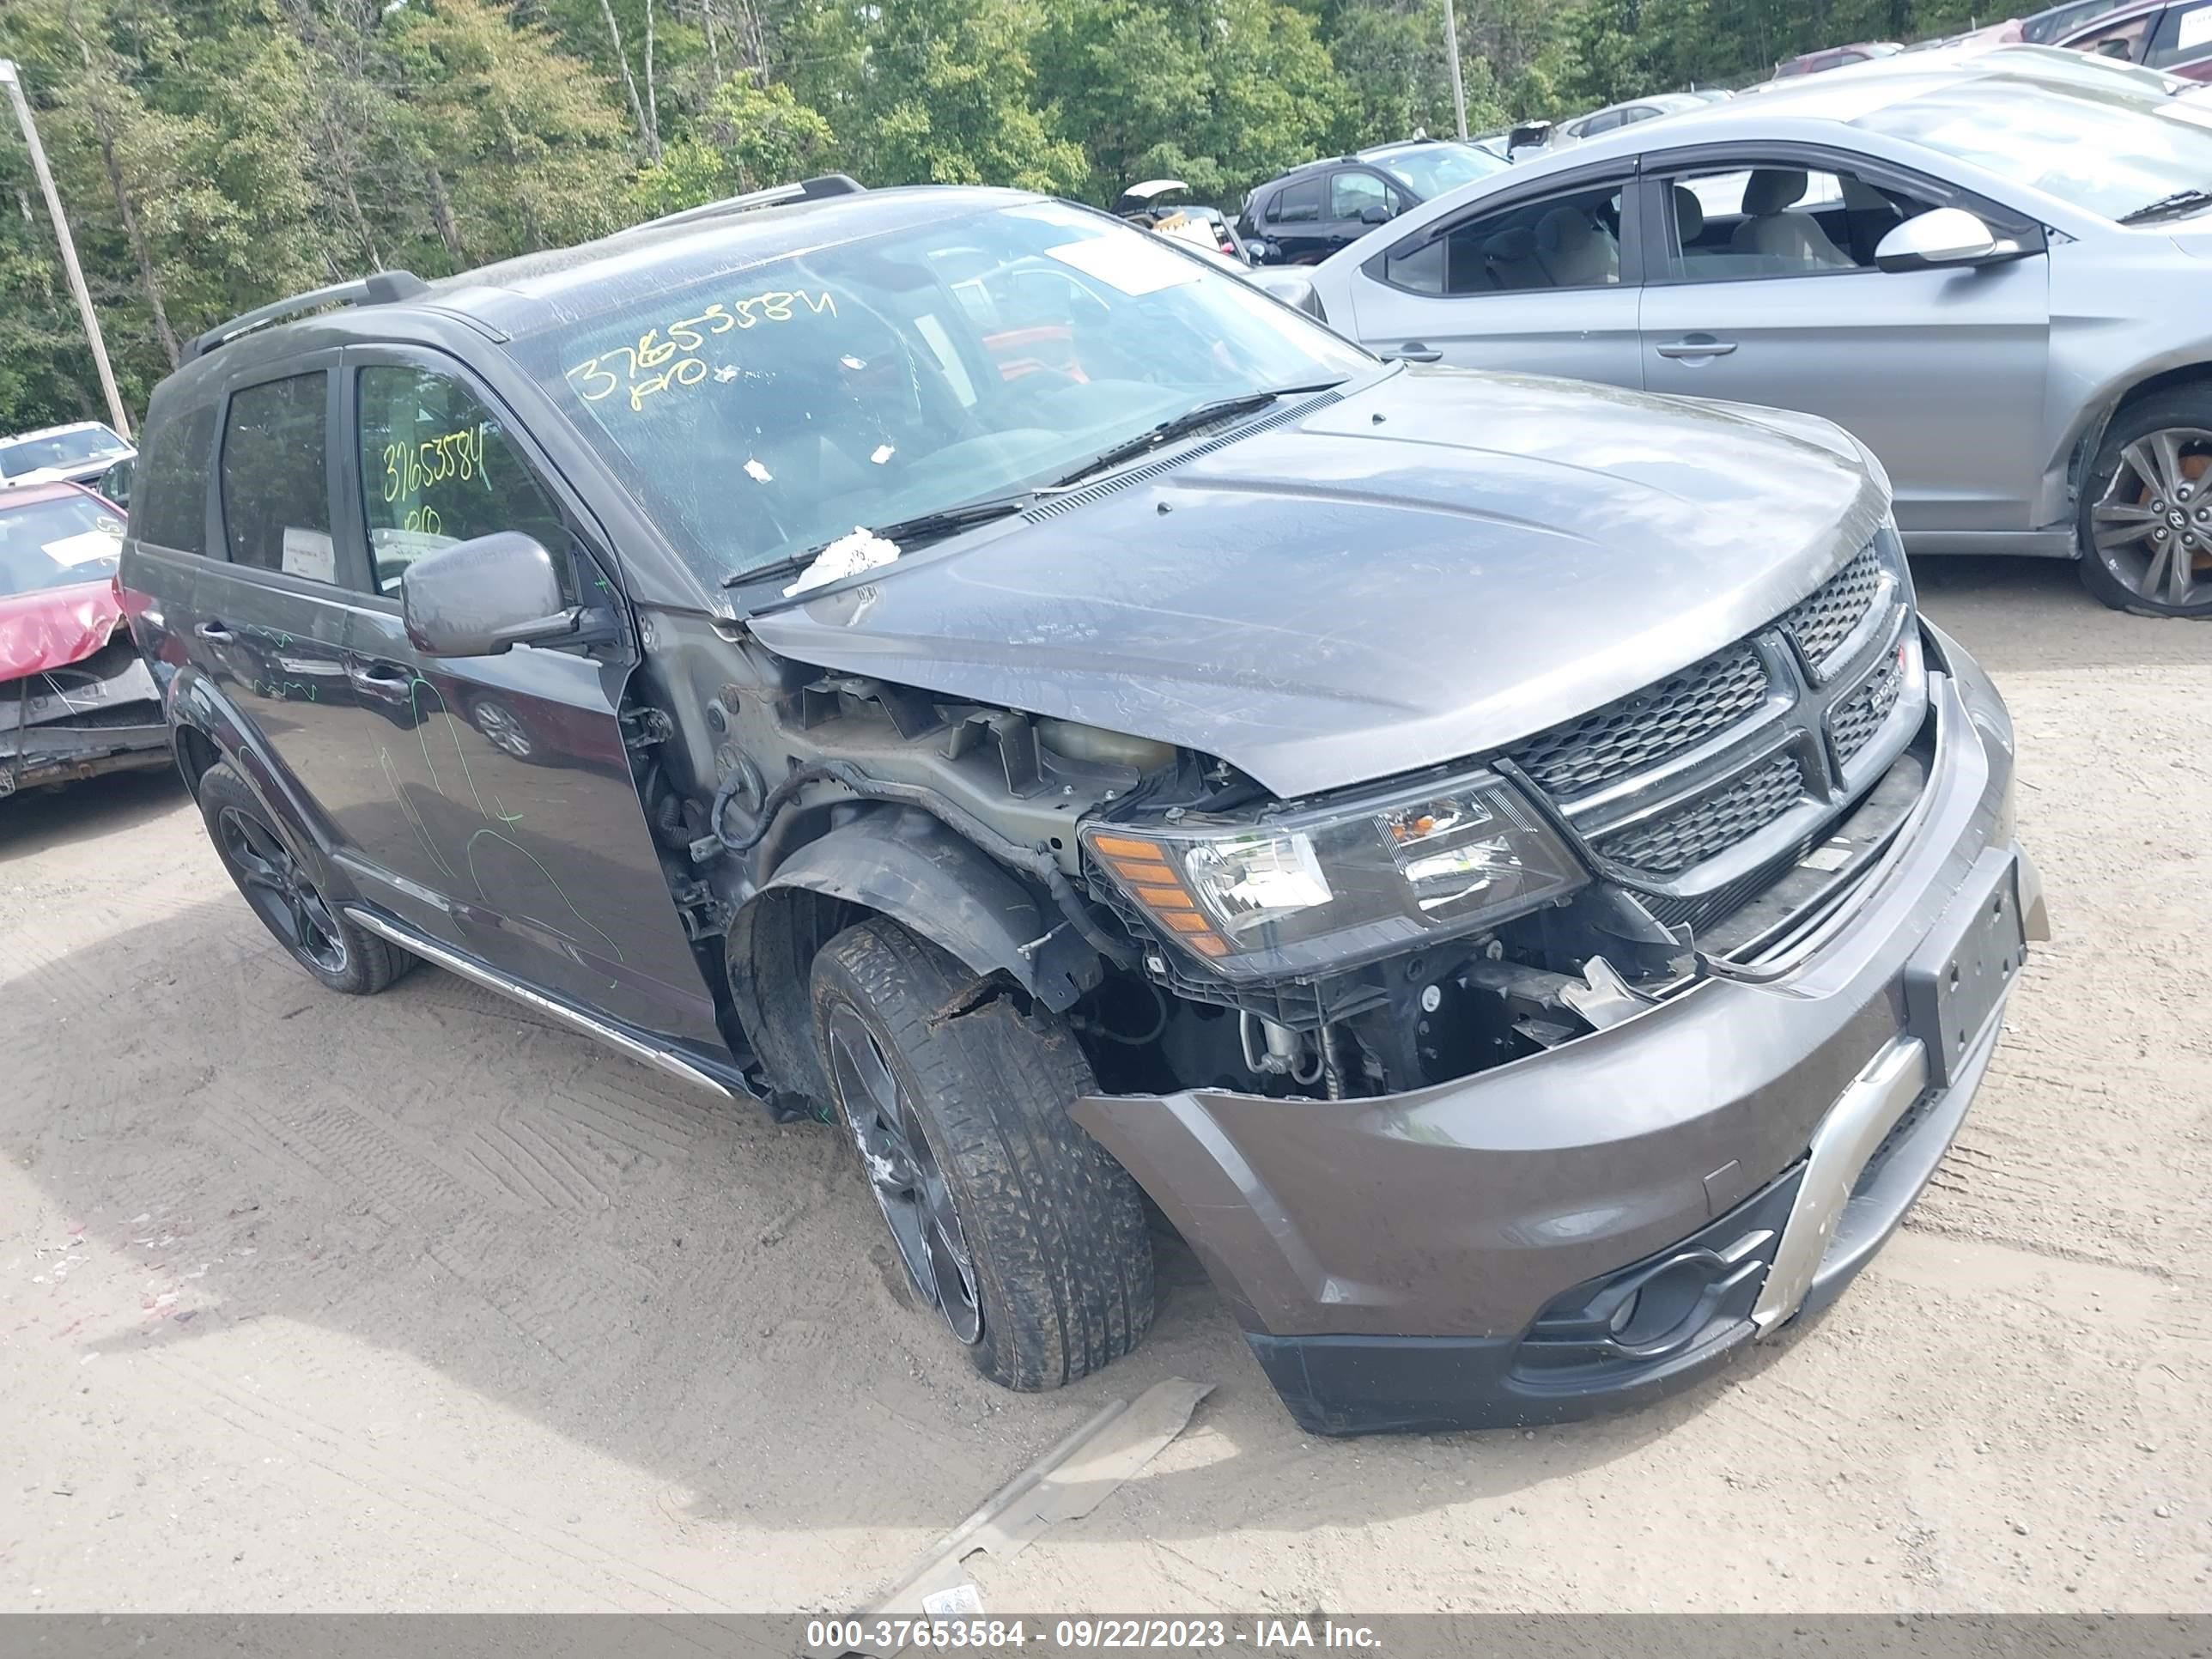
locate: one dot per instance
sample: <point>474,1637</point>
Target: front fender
<point>909,865</point>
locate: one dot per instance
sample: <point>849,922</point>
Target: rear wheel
<point>284,895</point>
<point>1023,1235</point>
<point>2146,525</point>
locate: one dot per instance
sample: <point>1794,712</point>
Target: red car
<point>76,697</point>
<point>2174,36</point>
<point>1812,63</point>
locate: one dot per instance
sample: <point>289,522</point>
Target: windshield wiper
<point>907,532</point>
<point>2182,201</point>
<point>1190,419</point>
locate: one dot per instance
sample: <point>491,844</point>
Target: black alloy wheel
<point>290,905</point>
<point>905,1175</point>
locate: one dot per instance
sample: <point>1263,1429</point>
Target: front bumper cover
<point>1594,1227</point>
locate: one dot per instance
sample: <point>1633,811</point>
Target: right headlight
<point>1329,887</point>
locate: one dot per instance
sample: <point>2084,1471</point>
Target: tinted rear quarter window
<point>275,490</point>
<point>1298,203</point>
<point>168,496</point>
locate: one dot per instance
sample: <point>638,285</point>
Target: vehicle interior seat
<point>1575,251</point>
<point>1509,259</point>
<point>1869,215</point>
<point>1769,229</point>
<point>1689,217</point>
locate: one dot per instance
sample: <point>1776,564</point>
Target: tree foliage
<point>216,154</point>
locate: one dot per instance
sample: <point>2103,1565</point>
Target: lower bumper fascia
<point>1655,1327</point>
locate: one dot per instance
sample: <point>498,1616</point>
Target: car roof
<point>1840,95</point>
<point>57,490</point>
<point>515,298</point>
<point>57,431</point>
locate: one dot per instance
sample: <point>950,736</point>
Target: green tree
<point>515,145</point>
<point>747,137</point>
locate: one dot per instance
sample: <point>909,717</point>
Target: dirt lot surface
<point>311,1303</point>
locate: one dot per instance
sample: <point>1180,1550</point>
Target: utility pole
<point>14,85</point>
<point>1451,58</point>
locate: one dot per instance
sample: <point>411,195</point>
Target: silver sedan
<point>1994,269</point>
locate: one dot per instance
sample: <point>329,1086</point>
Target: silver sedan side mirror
<point>1941,236</point>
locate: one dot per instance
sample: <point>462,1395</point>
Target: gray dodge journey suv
<point>1501,864</point>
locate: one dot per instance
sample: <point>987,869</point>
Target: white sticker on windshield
<point>1135,264</point>
<point>83,547</point>
<point>308,553</point>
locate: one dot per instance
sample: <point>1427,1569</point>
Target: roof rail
<point>380,287</point>
<point>806,189</point>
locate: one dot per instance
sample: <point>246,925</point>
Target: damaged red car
<point>76,697</point>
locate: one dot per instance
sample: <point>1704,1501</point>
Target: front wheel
<point>1020,1231</point>
<point>2146,525</point>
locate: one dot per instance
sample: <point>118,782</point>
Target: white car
<point>80,453</point>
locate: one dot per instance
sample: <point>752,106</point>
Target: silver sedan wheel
<point>2153,524</point>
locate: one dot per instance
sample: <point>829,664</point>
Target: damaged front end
<point>1388,939</point>
<point>99,714</point>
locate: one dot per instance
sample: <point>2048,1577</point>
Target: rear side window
<point>1297,204</point>
<point>1560,242</point>
<point>276,486</point>
<point>168,496</point>
<point>437,467</point>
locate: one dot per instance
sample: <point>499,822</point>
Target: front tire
<point>1026,1237</point>
<point>315,932</point>
<point>2146,516</point>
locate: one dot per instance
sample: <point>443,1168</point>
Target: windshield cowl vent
<point>1052,507</point>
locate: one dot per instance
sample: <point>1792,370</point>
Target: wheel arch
<point>2197,371</point>
<point>906,865</point>
<point>196,752</point>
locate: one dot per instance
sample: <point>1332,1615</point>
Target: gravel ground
<point>308,1302</point>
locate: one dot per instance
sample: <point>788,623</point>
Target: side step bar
<point>576,1019</point>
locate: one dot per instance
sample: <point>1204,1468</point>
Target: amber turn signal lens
<point>1150,877</point>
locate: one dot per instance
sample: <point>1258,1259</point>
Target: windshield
<point>52,543</point>
<point>2112,152</point>
<point>65,449</point>
<point>1435,168</point>
<point>762,412</point>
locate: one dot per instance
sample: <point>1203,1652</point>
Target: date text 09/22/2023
<point>1259,1635</point>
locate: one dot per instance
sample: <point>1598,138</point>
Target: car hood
<point>1439,563</point>
<point>50,627</point>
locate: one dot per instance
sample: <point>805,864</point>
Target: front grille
<point>1647,727</point>
<point>1825,618</point>
<point>1712,822</point>
<point>1860,715</point>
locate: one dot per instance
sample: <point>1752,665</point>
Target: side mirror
<point>2118,49</point>
<point>115,484</point>
<point>1292,286</point>
<point>478,597</point>
<point>1375,213</point>
<point>1937,238</point>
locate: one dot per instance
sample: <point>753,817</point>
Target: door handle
<point>214,632</point>
<point>378,671</point>
<point>1696,346</point>
<point>1412,352</point>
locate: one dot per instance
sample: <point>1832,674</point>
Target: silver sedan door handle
<point>1696,345</point>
